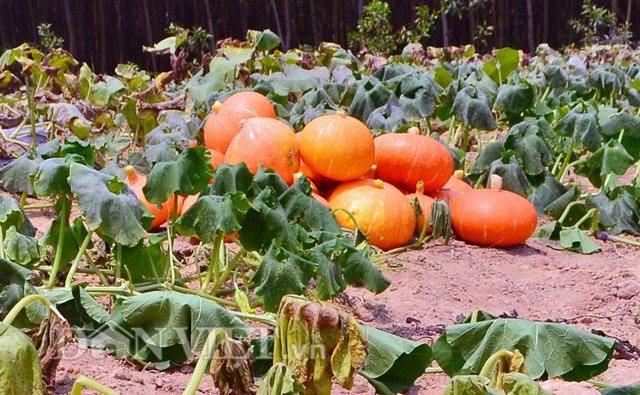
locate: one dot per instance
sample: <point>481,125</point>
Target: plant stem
<point>431,370</point>
<point>2,252</point>
<point>117,290</point>
<point>118,269</point>
<point>599,384</point>
<point>214,261</point>
<point>585,217</point>
<point>210,345</point>
<point>566,162</point>
<point>623,240</point>
<point>172,274</point>
<point>565,213</point>
<point>190,291</point>
<point>220,280</point>
<point>74,265</point>
<point>450,131</point>
<point>38,206</point>
<point>264,318</point>
<point>57,262</point>
<point>24,302</point>
<point>85,382</point>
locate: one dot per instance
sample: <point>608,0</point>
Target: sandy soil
<point>433,286</point>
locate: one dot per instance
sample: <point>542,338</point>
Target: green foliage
<point>598,24</point>
<point>374,32</point>
<point>48,39</point>
<point>464,348</point>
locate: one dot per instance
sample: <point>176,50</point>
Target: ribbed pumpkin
<point>382,212</point>
<point>337,146</point>
<point>425,203</point>
<point>404,159</point>
<point>226,118</point>
<point>268,142</point>
<point>493,217</point>
<point>136,181</point>
<point>453,189</point>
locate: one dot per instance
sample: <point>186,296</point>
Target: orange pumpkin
<point>404,159</point>
<point>267,142</point>
<point>453,189</point>
<point>136,181</point>
<point>425,202</point>
<point>493,217</point>
<point>337,146</point>
<point>382,212</point>
<point>226,118</point>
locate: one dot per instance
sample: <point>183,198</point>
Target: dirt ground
<point>430,288</point>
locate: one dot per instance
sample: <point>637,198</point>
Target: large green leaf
<point>146,261</point>
<point>610,158</point>
<point>304,210</point>
<point>532,147</point>
<point>473,109</point>
<point>516,98</point>
<point>11,214</point>
<point>229,179</point>
<point>581,124</point>
<point>81,310</point>
<point>506,61</point>
<point>550,349</point>
<point>629,126</point>
<point>393,363</point>
<point>281,273</point>
<point>370,94</point>
<point>619,210</point>
<point>52,176</point>
<point>15,177</point>
<point>189,174</point>
<point>546,192</point>
<point>14,285</point>
<point>213,213</point>
<point>109,207</point>
<point>21,248</point>
<point>166,327</point>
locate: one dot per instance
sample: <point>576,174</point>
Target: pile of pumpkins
<point>366,180</point>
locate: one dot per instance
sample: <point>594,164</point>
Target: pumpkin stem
<point>372,171</point>
<point>131,172</point>
<point>459,174</point>
<point>215,107</point>
<point>413,130</point>
<point>378,183</point>
<point>420,188</point>
<point>495,182</point>
<point>341,112</point>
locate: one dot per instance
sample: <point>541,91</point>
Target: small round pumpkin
<point>493,217</point>
<point>337,146</point>
<point>404,159</point>
<point>425,202</point>
<point>382,211</point>
<point>226,118</point>
<point>268,142</point>
<point>136,181</point>
<point>453,189</point>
